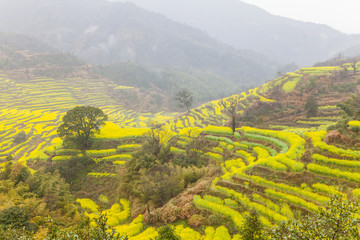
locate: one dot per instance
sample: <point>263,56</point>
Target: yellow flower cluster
<point>118,157</point>
<point>132,229</point>
<point>113,131</point>
<point>247,156</point>
<point>317,141</point>
<point>127,147</point>
<point>339,162</point>
<point>315,168</point>
<point>290,85</point>
<point>330,190</point>
<point>187,233</point>
<point>354,123</point>
<point>88,204</point>
<point>148,234</point>
<point>218,130</point>
<point>100,153</point>
<point>93,174</point>
<point>220,209</point>
<point>286,188</point>
<point>116,215</point>
<point>215,156</point>
<point>177,150</point>
<point>292,199</point>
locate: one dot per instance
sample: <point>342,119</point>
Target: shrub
<point>20,137</point>
<point>167,233</point>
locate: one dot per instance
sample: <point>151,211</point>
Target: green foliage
<point>252,228</point>
<point>10,233</point>
<point>20,137</point>
<point>192,174</point>
<point>15,216</point>
<point>337,220</point>
<point>100,232</point>
<point>231,106</point>
<point>193,156</point>
<point>52,188</point>
<point>167,233</point>
<point>284,147</point>
<point>160,184</point>
<point>16,172</point>
<point>184,98</point>
<point>351,107</point>
<point>71,170</point>
<point>30,199</point>
<point>79,124</point>
<point>311,107</point>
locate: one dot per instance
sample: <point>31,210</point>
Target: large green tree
<point>80,124</point>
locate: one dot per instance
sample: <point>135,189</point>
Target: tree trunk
<point>233,123</point>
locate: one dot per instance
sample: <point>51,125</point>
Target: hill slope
<point>282,172</point>
<point>278,162</point>
<point>25,58</point>
<point>106,32</point>
<point>246,26</point>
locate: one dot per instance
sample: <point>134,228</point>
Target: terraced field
<point>281,172</point>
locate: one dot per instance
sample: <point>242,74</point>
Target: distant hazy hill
<point>246,26</point>
<point>105,32</point>
<point>18,51</point>
<point>25,58</point>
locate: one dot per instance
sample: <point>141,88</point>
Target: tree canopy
<point>80,124</point>
<point>185,99</point>
<point>230,105</point>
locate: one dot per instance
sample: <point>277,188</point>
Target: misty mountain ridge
<point>104,32</point>
<point>25,58</point>
<point>246,26</point>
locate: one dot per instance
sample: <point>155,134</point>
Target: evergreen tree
<point>311,107</point>
<point>252,229</point>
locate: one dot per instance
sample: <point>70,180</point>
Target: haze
<point>343,16</point>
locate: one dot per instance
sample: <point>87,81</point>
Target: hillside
<point>104,32</point>
<point>25,54</point>
<point>245,26</point>
<point>25,58</point>
<point>280,161</point>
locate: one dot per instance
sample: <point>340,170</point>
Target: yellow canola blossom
<point>132,229</point>
<point>113,131</point>
<point>187,233</point>
<point>354,123</point>
<point>192,132</point>
<point>148,234</point>
<point>88,204</point>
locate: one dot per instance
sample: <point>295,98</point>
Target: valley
<point>278,162</point>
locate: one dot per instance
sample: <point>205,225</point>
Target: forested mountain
<point>24,57</point>
<point>18,51</point>
<point>246,26</point>
<point>104,32</point>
